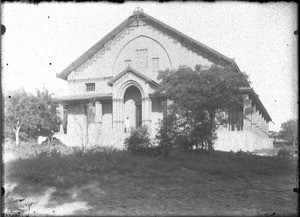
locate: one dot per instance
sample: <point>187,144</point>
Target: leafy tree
<point>19,114</point>
<point>288,131</point>
<point>47,120</point>
<point>30,116</point>
<point>197,99</point>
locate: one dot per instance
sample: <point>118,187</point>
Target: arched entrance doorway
<point>132,108</point>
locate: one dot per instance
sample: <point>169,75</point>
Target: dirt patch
<point>41,204</point>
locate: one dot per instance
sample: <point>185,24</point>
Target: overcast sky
<point>41,40</point>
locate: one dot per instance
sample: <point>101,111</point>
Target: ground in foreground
<point>111,182</point>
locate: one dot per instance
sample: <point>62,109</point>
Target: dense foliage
<point>28,116</point>
<point>197,100</point>
<point>19,112</point>
<point>289,132</point>
<point>48,121</point>
<point>138,141</point>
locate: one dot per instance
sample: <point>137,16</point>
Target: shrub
<point>106,149</point>
<point>242,153</point>
<point>138,142</point>
<point>167,134</point>
<point>174,136</point>
<point>284,153</point>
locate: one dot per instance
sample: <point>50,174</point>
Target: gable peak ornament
<point>138,10</point>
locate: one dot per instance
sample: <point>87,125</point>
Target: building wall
<point>78,86</point>
<point>76,124</point>
<point>245,140</point>
<point>255,121</point>
<point>250,138</point>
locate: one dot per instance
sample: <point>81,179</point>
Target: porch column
<point>146,113</point>
<point>118,121</point>
<point>98,113</point>
<point>61,116</point>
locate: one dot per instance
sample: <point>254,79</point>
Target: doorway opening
<point>132,108</point>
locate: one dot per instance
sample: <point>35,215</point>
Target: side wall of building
<point>246,140</point>
<point>253,136</point>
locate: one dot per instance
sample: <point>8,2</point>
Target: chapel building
<point>111,86</point>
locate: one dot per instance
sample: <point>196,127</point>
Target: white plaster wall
<point>241,140</point>
<point>76,87</point>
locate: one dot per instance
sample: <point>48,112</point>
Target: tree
<point>47,120</point>
<point>19,114</point>
<point>288,131</point>
<point>198,98</point>
<point>82,130</point>
<point>29,115</point>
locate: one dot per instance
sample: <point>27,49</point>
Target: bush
<point>138,142</point>
<point>54,168</point>
<point>173,136</point>
<point>167,134</point>
<point>284,153</point>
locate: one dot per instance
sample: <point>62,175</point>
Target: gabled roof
<point>140,15</point>
<point>257,101</point>
<point>133,71</point>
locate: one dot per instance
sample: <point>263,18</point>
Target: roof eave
<point>82,98</point>
<point>132,70</point>
<point>94,49</point>
<point>255,97</point>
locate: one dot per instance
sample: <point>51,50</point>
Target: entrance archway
<point>132,108</point>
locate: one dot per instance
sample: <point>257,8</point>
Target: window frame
<point>90,87</point>
<point>142,58</point>
<point>155,64</point>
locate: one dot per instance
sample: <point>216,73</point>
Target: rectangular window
<point>155,64</point>
<point>142,58</point>
<point>90,86</point>
<point>127,63</point>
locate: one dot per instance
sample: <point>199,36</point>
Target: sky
<point>42,40</point>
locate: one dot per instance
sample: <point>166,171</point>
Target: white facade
<point>131,59</point>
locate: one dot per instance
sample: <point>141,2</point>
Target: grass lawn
<point>117,183</point>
